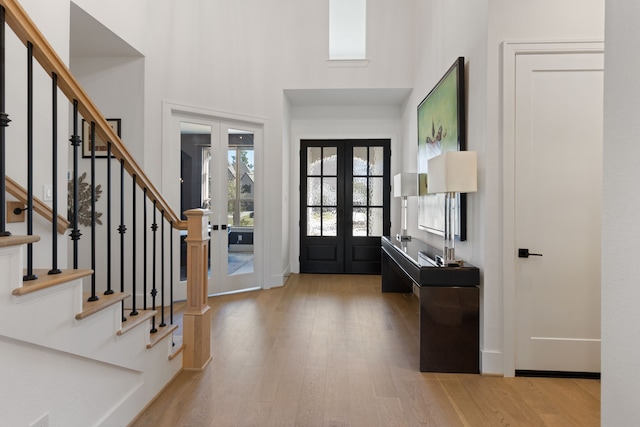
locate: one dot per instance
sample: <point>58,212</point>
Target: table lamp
<point>405,185</point>
<point>450,173</point>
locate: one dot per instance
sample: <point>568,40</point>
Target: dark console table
<point>449,304</point>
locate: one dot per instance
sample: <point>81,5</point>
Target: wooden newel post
<point>197,315</point>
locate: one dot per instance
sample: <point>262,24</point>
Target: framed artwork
<point>101,146</point>
<point>441,127</point>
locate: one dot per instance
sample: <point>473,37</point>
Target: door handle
<point>524,253</point>
<point>215,227</point>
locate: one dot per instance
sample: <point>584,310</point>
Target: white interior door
<point>233,256</point>
<point>558,185</point>
<point>218,174</point>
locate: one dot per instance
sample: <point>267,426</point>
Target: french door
<point>218,174</point>
<point>344,205</point>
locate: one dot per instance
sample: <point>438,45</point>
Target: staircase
<point>73,361</point>
<point>75,350</point>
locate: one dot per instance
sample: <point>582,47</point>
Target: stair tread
<point>104,301</point>
<point>46,280</point>
<point>6,241</point>
<point>163,331</point>
<point>133,321</point>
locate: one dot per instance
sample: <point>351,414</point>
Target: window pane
<point>246,213</point>
<point>376,161</point>
<point>246,174</point>
<point>375,222</point>
<point>329,222</point>
<point>329,191</point>
<point>375,192</point>
<point>314,160</point>
<point>347,29</point>
<point>232,185</point>
<point>360,165</point>
<point>314,227</point>
<point>359,222</point>
<point>359,191</point>
<point>313,191</point>
<point>330,160</point>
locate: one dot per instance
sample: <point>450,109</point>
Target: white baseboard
<point>491,362</point>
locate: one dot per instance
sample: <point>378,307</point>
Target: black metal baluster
<point>171,274</point>
<point>134,312</point>
<point>144,261</point>
<point>92,136</point>
<point>29,275</point>
<point>54,169</point>
<point>75,143</point>
<point>162,322</point>
<point>4,122</point>
<point>109,290</point>
<point>122,229</point>
<point>154,291</point>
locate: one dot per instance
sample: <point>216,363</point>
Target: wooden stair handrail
<point>40,207</point>
<point>26,31</point>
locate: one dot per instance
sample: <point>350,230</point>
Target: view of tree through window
<point>241,175</point>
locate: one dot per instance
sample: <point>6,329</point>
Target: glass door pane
<point>240,201</point>
<point>196,177</point>
<point>368,191</point>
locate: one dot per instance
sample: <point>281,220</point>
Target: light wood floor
<point>332,350</point>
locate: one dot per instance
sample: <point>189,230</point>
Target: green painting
<point>440,128</point>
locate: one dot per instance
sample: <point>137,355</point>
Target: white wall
<point>620,243</point>
<point>116,86</point>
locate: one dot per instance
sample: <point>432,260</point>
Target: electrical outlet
<point>43,421</point>
<point>239,237</point>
